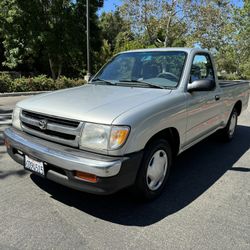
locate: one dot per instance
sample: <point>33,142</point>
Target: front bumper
<point>113,173</point>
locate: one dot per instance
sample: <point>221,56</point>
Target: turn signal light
<point>86,176</point>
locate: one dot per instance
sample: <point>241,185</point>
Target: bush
<point>230,76</point>
<point>64,82</point>
<point>5,83</point>
<point>38,83</point>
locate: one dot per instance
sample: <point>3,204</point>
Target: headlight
<point>103,137</point>
<point>95,136</point>
<point>16,123</point>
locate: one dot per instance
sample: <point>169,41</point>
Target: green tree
<point>227,60</point>
<point>213,24</point>
<point>161,22</point>
<point>242,19</point>
<point>111,24</point>
<point>233,56</point>
<point>128,41</point>
<point>53,29</point>
<point>103,55</point>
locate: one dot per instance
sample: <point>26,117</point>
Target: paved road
<point>206,206</point>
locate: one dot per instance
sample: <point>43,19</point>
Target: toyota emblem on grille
<point>43,124</point>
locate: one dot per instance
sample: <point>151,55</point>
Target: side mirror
<point>201,85</point>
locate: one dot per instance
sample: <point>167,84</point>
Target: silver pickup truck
<point>125,127</point>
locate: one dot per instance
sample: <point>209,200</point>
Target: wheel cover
<point>232,125</point>
<point>157,169</point>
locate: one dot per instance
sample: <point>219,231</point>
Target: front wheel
<point>154,170</point>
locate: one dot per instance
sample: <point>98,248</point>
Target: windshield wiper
<point>103,81</point>
<point>145,83</point>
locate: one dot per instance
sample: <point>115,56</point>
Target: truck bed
<point>226,83</point>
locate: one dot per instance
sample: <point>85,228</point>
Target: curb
<point>22,93</point>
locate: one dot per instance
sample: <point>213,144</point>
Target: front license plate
<point>34,166</point>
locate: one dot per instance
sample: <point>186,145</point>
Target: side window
<point>201,68</point>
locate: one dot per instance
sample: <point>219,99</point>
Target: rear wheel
<point>228,132</point>
<point>154,170</point>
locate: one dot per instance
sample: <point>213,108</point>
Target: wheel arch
<point>238,107</point>
<point>171,134</point>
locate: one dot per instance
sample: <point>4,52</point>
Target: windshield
<point>159,68</point>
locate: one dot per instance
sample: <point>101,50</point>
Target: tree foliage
<point>44,35</point>
<point>243,39</point>
<point>54,30</point>
<point>111,25</point>
<point>213,24</point>
<point>163,23</point>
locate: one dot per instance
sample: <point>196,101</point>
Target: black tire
<point>227,133</point>
<point>142,185</point>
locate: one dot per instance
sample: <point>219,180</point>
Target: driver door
<point>203,107</point>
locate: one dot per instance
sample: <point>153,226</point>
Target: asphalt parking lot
<point>205,206</point>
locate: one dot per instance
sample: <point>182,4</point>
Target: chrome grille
<point>58,130</point>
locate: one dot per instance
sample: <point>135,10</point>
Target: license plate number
<point>34,166</point>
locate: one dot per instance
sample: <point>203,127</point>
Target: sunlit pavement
<point>205,206</point>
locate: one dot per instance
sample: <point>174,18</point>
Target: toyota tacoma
<point>126,126</point>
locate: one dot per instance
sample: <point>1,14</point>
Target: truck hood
<point>92,103</point>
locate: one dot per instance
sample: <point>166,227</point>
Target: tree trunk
<point>51,65</point>
<point>55,68</point>
<point>59,70</point>
<point>166,40</point>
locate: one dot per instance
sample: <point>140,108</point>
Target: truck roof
<point>188,50</point>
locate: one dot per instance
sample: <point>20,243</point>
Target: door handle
<point>217,98</point>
